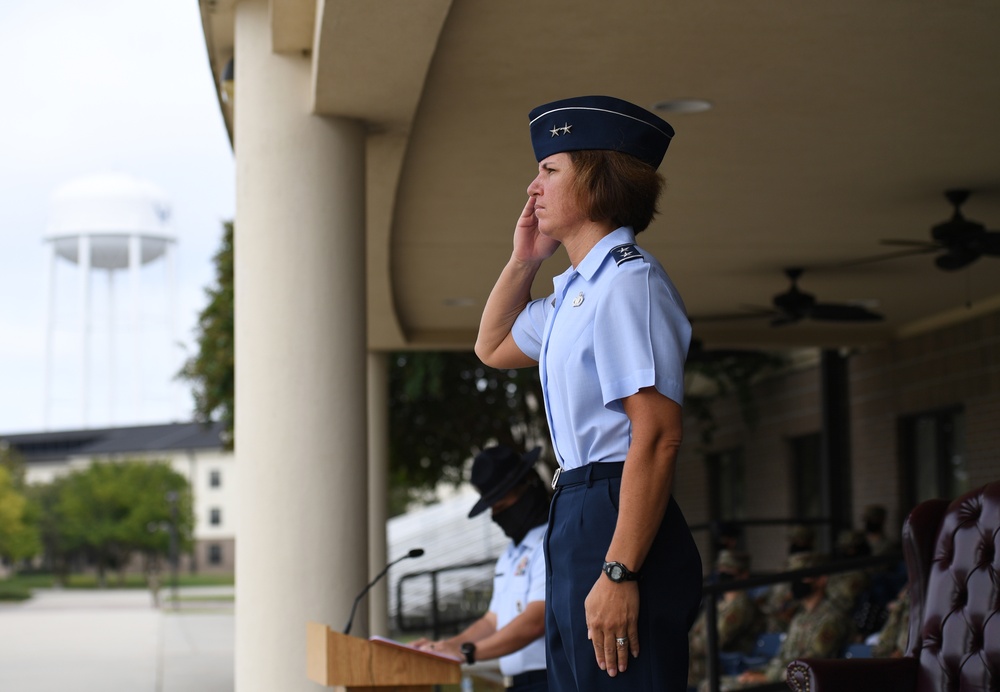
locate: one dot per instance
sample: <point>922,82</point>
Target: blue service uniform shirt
<point>519,580</point>
<point>614,325</point>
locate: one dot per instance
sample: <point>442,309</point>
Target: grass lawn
<point>19,587</point>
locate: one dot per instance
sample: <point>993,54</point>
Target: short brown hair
<point>617,187</point>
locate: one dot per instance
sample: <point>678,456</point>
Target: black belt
<point>528,678</point>
<point>595,471</point>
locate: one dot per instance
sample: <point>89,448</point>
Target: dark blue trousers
<point>581,523</point>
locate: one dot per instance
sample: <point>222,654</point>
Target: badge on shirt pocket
<point>522,567</point>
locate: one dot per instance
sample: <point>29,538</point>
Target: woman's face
<point>557,207</point>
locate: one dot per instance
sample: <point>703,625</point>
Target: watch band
<point>468,649</point>
<point>617,572</point>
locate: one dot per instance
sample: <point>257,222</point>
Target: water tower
<point>113,225</point>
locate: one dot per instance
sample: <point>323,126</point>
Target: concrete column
<point>378,489</point>
<point>301,440</point>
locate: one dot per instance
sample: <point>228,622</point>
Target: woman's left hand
<point>612,612</point>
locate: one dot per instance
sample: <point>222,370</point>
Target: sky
<point>91,88</point>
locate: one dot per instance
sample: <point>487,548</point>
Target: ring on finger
<point>621,642</point>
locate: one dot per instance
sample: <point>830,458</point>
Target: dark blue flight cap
<point>599,122</point>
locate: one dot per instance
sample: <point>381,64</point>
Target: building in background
<point>193,450</point>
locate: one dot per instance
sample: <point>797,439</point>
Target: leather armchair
<point>952,553</point>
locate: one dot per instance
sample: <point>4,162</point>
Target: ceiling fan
<point>795,304</point>
<point>960,240</point>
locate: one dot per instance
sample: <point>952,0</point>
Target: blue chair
<point>731,663</point>
<point>768,644</point>
<point>764,650</point>
<point>858,651</point>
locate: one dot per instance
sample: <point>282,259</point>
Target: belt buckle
<point>555,477</point>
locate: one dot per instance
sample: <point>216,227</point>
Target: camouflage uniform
<point>819,633</point>
<point>739,623</point>
<point>895,634</point>
<point>844,588</point>
<point>778,605</point>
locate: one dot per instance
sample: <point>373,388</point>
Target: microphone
<point>414,552</point>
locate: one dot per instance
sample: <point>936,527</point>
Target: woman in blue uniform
<point>624,574</point>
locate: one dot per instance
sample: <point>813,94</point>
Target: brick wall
<point>953,366</point>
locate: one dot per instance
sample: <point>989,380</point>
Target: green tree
<point>19,537</point>
<point>111,510</point>
<point>211,370</point>
<point>445,406</point>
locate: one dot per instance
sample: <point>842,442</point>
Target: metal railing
<point>465,600</point>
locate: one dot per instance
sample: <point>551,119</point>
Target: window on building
<point>214,554</point>
<point>933,455</point>
<point>215,479</point>
<point>728,485</point>
<point>807,476</point>
<point>215,516</point>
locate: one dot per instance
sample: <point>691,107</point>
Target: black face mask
<point>530,510</point>
<point>801,589</point>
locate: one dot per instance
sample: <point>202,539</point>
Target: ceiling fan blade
<point>923,249</point>
<point>991,243</point>
<point>843,312</point>
<point>956,258</point>
<point>754,313</point>
<point>784,320</point>
<point>918,245</point>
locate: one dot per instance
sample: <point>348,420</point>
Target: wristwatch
<point>468,650</point>
<point>617,572</point>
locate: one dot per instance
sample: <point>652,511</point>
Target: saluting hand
<point>529,244</point>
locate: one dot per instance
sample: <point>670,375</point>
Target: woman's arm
<point>495,345</point>
<point>647,481</point>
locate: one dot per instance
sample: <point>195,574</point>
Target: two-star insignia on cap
<point>564,130</point>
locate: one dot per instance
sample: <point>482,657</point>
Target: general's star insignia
<point>578,301</point>
<point>566,128</point>
<point>625,253</point>
<point>555,131</point>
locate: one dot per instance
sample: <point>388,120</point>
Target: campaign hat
<point>599,122</point>
<point>496,471</point>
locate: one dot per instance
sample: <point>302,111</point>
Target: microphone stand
<point>415,552</point>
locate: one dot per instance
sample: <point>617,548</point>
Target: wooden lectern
<point>374,665</point>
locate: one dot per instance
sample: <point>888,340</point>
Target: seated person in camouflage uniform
<point>894,636</point>
<point>874,519</point>
<point>739,619</point>
<point>778,605</point>
<point>844,588</point>
<point>818,630</point>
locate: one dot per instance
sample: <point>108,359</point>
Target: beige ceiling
<point>834,125</point>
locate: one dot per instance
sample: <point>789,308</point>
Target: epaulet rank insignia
<point>624,253</point>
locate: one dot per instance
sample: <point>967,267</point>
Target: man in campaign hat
<point>513,628</point>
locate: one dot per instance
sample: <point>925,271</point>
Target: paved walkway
<point>116,641</point>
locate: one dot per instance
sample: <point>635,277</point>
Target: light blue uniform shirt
<point>614,325</point>
<point>519,580</point>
